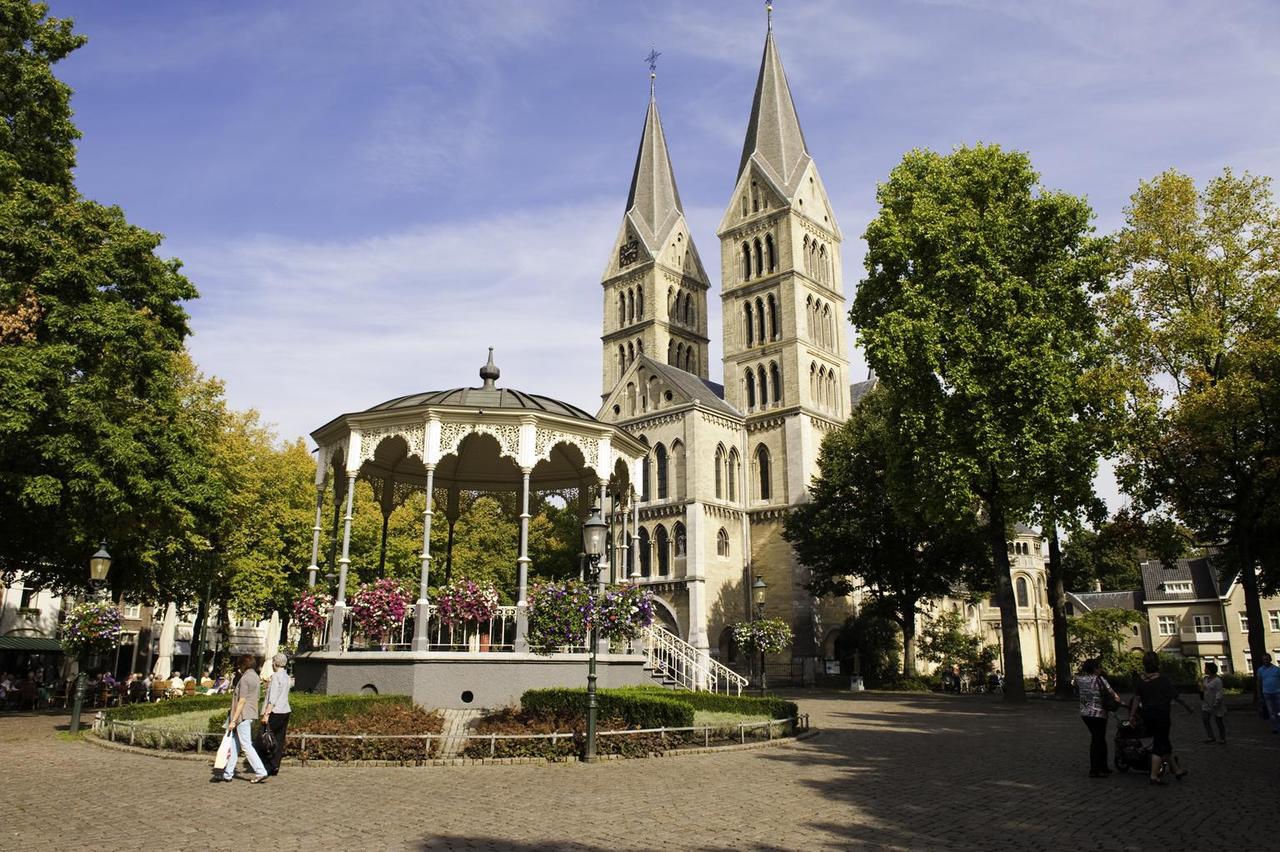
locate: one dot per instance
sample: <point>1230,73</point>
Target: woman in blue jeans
<point>244,708</point>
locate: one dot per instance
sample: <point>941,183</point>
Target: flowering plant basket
<point>559,614</point>
<point>623,612</point>
<point>311,609</point>
<point>466,600</point>
<point>91,628</point>
<point>379,607</point>
<point>764,635</point>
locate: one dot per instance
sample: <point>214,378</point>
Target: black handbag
<point>267,739</point>
<point>1109,704</point>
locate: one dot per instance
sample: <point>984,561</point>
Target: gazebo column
<point>388,502</point>
<point>340,603</point>
<point>522,602</point>
<point>421,640</point>
<point>314,567</point>
<point>451,513</point>
<point>635,536</point>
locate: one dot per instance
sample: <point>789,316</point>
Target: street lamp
<point>758,591</point>
<point>593,540</point>
<point>99,565</point>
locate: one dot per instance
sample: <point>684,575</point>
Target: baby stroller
<point>1132,744</point>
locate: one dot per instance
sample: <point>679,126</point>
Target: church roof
<point>653,204</point>
<point>774,139</point>
<point>707,392</point>
<point>858,390</point>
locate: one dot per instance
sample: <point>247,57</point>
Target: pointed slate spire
<point>774,137</point>
<point>653,203</point>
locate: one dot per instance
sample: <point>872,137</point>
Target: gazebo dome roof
<point>488,398</point>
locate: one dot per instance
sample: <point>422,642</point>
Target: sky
<point>368,195</point>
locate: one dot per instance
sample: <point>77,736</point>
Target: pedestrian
<point>1092,687</point>
<point>1268,679</point>
<point>1153,698</point>
<point>275,712</point>
<point>244,703</point>
<point>1213,705</point>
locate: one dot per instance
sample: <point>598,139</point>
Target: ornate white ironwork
<point>414,435</point>
<point>686,666</point>
<point>546,440</point>
<point>507,435</point>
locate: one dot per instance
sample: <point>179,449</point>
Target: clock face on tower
<point>628,253</point>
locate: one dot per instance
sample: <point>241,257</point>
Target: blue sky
<point>369,194</point>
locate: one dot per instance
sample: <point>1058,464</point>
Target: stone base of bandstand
<point>457,680</point>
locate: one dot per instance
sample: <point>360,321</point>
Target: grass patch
<point>709,718</point>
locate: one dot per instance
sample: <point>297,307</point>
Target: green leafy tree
<point>874,639</point>
<point>1101,634</point>
<point>975,306</point>
<point>1112,554</point>
<point>1197,318</point>
<point>863,526</point>
<point>91,329</point>
<point>946,641</point>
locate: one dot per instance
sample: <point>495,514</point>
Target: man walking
<point>1268,676</point>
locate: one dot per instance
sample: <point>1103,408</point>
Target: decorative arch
<point>631,305</point>
<point>746,307</point>
<point>751,389</point>
<point>662,544</point>
<point>763,383</point>
<point>746,262</point>
<point>720,459</point>
<point>1022,592</point>
<point>760,320</point>
<point>622,309</point>
<point>771,253</point>
<point>758,252</point>
<point>775,330</point>
<point>660,464</point>
<point>731,473</point>
<point>722,542</point>
<point>679,540</point>
<point>764,489</point>
<point>678,469</point>
<point>646,554</point>
<point>775,381</point>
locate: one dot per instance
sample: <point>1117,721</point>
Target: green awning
<point>29,643</point>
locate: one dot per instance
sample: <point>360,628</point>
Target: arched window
<point>690,312</point>
<point>769,251</point>
<point>1023,596</point>
<point>762,468</point>
<point>759,258</point>
<point>774,331</point>
<point>681,544</point>
<point>639,302</point>
<point>775,380</point>
<point>645,476</point>
<point>746,262</point>
<point>631,398</point>
<point>688,360</point>
<point>751,389</point>
<point>762,384</point>
<point>719,473</point>
<point>679,362</point>
<point>760,320</point>
<point>722,542</point>
<point>660,460</point>
<point>671,352</point>
<point>631,353</point>
<point>813,382</point>
<point>824,273</point>
<point>622,309</point>
<point>828,329</point>
<point>622,360</point>
<point>677,470</point>
<point>646,556</point>
<point>805,253</point>
<point>663,545</point>
<point>744,204</point>
<point>808,317</point>
<point>731,472</point>
<point>755,197</point>
<point>750,323</point>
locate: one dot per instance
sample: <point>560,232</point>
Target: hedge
<point>715,702</point>
<point>137,712</point>
<point>636,707</point>
<point>306,707</point>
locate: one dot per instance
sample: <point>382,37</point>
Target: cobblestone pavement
<point>929,772</point>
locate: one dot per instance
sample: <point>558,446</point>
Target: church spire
<point>653,204</point>
<point>774,139</point>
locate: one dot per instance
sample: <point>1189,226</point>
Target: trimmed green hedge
<point>306,707</point>
<point>138,712</point>
<point>637,707</point>
<point>771,706</point>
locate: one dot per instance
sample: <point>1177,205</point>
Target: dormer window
<point>1177,587</point>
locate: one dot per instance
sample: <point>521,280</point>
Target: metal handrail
<point>689,667</point>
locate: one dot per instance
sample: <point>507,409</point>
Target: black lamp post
<point>593,540</point>
<point>99,565</point>
<point>758,589</point>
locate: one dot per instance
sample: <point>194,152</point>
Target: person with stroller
<point>1093,689</point>
<point>1153,697</point>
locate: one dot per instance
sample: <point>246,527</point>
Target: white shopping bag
<point>224,752</point>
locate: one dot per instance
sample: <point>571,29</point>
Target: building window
<point>1024,599</point>
<point>660,459</point>
<point>750,323</point>
<point>1274,617</point>
<point>775,379</point>
<point>722,542</point>
<point>646,557</point>
<point>731,471</point>
<point>664,549</point>
<point>762,467</point>
<point>1178,588</point>
<point>1244,623</point>
<point>769,250</point>
<point>27,598</point>
<point>751,389</point>
<point>1167,625</point>
<point>644,480</point>
<point>1248,664</point>
<point>719,473</point>
<point>681,541</point>
<point>775,331</point>
<point>1204,624</point>
<point>133,610</point>
<point>746,262</point>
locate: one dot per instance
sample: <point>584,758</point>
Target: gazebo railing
<point>496,634</point>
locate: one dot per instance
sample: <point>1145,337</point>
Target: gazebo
<point>485,439</point>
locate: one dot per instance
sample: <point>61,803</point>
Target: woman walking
<point>1154,694</point>
<point>1092,687</point>
<point>275,712</point>
<point>1213,705</point>
<point>244,704</point>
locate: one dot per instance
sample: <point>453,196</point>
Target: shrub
<point>637,708</point>
<point>307,708</point>
<point>875,640</point>
<point>909,684</point>
<point>773,707</point>
<point>1237,681</point>
<point>370,717</point>
<point>511,721</point>
<point>138,712</point>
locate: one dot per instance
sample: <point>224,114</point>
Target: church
<point>726,461</point>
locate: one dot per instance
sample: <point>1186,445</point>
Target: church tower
<point>785,362</point>
<point>655,288</point>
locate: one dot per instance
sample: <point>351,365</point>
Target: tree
<point>1197,318</point>
<point>1100,633</point>
<point>946,641</point>
<point>975,308</point>
<point>864,526</point>
<point>1112,555</point>
<point>92,443</point>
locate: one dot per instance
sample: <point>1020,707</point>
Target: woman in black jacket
<point>1154,694</point>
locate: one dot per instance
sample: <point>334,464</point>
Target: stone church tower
<point>726,461</point>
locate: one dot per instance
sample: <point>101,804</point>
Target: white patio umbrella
<point>164,662</point>
<point>273,643</point>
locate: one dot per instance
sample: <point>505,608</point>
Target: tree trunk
<point>1058,601</point>
<point>1252,605</point>
<point>1014,689</point>
<point>908,625</point>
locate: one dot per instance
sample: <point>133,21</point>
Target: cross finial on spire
<point>652,59</point>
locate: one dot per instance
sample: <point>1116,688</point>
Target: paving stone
<point>903,772</point>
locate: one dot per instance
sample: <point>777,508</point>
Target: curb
<point>159,754</point>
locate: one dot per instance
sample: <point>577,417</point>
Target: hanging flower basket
<point>466,601</point>
<point>311,610</point>
<point>623,612</point>
<point>91,628</point>
<point>764,635</point>
<point>559,614</point>
<point>379,607</point>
